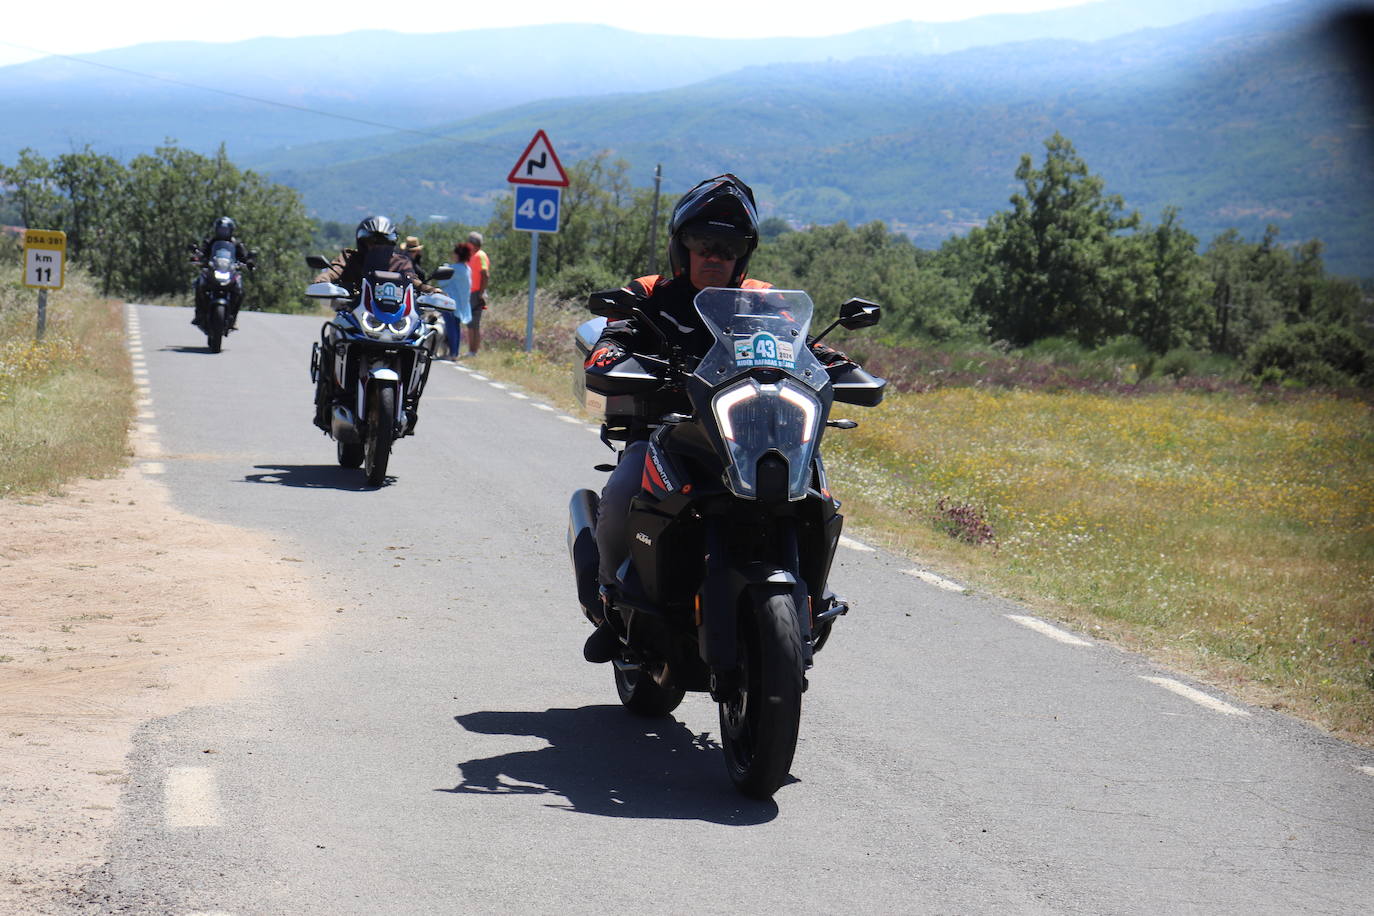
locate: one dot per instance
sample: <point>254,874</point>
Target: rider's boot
<point>604,643</point>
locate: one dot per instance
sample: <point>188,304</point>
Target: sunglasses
<point>719,246</point>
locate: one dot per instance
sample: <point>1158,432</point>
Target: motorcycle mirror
<point>842,424</point>
<point>442,273</point>
<point>612,303</point>
<point>859,313</point>
<point>316,262</point>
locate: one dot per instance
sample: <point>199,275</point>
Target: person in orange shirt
<point>481,275</point>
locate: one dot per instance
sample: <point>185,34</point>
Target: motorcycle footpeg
<point>837,609</point>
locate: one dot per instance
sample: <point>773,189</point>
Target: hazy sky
<point>84,25</point>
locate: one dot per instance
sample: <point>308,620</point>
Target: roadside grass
<point>65,402</point>
<point>1228,534</point>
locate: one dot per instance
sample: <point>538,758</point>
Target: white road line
<point>497,385</point>
<point>1053,632</point>
<point>937,581</point>
<point>544,407</point>
<point>190,797</point>
<point>461,368</point>
<point>854,545</point>
<point>1368,771</point>
<point>479,376</point>
<point>153,467</point>
<point>518,395</point>
<point>1197,696</point>
<point>147,429</point>
<point>567,419</point>
<point>147,415</point>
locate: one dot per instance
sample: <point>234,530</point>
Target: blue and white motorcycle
<point>371,363</point>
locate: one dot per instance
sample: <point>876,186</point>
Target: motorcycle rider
<point>222,230</point>
<point>376,240</point>
<point>713,231</point>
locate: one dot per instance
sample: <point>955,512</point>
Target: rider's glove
<point>604,355</point>
<point>830,357</point>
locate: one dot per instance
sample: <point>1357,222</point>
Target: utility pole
<point>653,221</point>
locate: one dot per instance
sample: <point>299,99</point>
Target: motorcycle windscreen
<point>222,257</point>
<point>760,418</point>
<point>758,329</point>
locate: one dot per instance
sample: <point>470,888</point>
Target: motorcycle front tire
<point>215,332</point>
<point>759,725</point>
<point>381,432</point>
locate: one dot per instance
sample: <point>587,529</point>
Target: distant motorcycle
<point>731,537</point>
<point>219,294</point>
<point>371,364</point>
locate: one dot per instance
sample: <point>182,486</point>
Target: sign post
<point>539,181</point>
<point>45,260</point>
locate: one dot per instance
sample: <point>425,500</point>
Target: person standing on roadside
<point>481,275</point>
<point>412,249</point>
<point>458,288</point>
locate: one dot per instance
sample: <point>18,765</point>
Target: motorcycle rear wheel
<point>759,725</point>
<point>215,332</point>
<point>641,694</point>
<point>381,431</point>
<point>350,454</point>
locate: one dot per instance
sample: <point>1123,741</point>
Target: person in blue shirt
<point>456,288</point>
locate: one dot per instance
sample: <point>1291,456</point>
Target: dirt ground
<point>115,608</point>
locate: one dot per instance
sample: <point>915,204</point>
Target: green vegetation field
<point>1228,534</point>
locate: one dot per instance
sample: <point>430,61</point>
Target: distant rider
<point>222,231</point>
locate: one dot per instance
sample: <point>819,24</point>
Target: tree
<point>1056,265</point>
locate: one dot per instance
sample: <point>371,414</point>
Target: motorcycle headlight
<point>222,276</point>
<point>727,401</point>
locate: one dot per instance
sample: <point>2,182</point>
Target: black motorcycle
<point>219,291</point>
<point>371,364</point>
<point>732,536</point>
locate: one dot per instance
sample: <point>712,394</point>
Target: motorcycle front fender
<point>721,593</point>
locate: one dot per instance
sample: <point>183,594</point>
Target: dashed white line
<point>1045,629</point>
<point>545,407</point>
<point>567,419</point>
<point>855,545</point>
<point>153,467</point>
<point>497,385</point>
<point>479,376</point>
<point>1197,696</point>
<point>1368,771</point>
<point>147,429</point>
<point>462,368</point>
<point>937,581</point>
<point>190,798</point>
<point>517,395</point>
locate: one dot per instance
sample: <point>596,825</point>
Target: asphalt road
<point>442,747</point>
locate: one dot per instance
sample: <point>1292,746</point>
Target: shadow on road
<point>311,476</point>
<point>604,761</point>
<point>179,349</point>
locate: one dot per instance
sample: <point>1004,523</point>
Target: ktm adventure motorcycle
<point>371,363</point>
<point>733,533</point>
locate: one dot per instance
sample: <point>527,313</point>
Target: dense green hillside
<point>1240,119</point>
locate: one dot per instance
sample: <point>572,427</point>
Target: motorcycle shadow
<point>605,761</point>
<point>203,348</point>
<point>311,476</point>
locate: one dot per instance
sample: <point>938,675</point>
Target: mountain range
<point>1240,118</point>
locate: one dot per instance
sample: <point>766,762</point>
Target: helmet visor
<point>712,240</point>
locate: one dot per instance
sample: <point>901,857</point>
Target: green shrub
<point>576,281</point>
<point>1309,354</point>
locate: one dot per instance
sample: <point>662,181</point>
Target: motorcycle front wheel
<point>759,724</point>
<point>381,431</point>
<point>641,694</point>
<point>215,332</point>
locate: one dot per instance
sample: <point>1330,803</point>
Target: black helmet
<point>717,215</point>
<point>375,229</point>
<point>224,229</point>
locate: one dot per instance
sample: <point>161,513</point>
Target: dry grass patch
<point>66,401</point>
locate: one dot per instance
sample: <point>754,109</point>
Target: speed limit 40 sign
<point>45,256</point>
<point>536,208</point>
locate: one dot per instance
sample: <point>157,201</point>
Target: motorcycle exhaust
<point>582,550</point>
<point>343,427</point>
